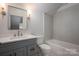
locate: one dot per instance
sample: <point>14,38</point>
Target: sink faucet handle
<point>18,33</point>
<point>14,35</point>
<point>21,34</point>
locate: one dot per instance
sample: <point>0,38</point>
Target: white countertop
<point>18,38</point>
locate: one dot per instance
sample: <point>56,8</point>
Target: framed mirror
<point>17,18</point>
<point>15,22</point>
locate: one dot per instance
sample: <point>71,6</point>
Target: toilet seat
<point>45,46</point>
<point>46,49</point>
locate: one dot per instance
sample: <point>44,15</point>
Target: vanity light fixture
<point>29,12</point>
<point>3,12</point>
<point>2,9</point>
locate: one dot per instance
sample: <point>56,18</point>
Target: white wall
<point>4,31</point>
<point>35,24</point>
<point>66,25</point>
<point>48,28</point>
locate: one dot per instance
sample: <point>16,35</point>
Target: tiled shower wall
<point>66,25</point>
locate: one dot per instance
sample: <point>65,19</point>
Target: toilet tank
<point>40,40</point>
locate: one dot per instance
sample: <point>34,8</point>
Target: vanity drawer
<point>7,53</point>
<point>34,50</point>
<point>15,45</point>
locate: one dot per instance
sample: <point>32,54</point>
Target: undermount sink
<point>23,37</point>
<point>17,38</point>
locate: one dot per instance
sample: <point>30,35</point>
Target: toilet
<point>46,49</point>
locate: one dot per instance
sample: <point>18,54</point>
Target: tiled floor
<point>58,50</point>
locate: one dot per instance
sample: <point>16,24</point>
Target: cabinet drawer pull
<point>10,54</point>
<point>32,49</point>
<point>14,54</point>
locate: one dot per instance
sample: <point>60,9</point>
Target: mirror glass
<point>17,18</point>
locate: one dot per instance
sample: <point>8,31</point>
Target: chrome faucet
<point>19,33</point>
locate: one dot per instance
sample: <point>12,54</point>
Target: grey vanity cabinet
<point>20,52</point>
<point>20,48</point>
<point>34,50</point>
<point>16,52</point>
<point>7,53</point>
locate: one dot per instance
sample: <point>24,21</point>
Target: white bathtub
<point>61,48</point>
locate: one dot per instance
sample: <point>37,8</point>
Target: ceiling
<point>49,8</point>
